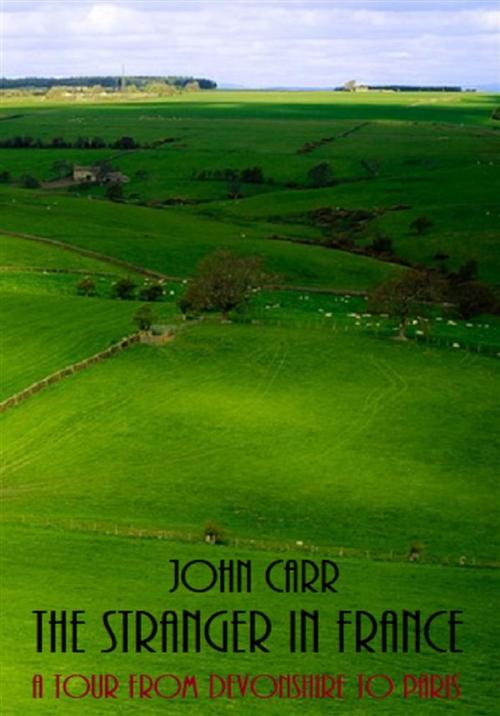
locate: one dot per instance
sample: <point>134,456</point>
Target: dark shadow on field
<point>469,109</point>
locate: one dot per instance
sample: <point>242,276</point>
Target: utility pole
<point>122,82</point>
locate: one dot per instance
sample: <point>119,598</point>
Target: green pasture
<point>65,283</point>
<point>174,241</point>
<point>432,154</point>
<point>273,433</point>
<point>95,573</point>
<point>301,424</point>
<point>456,108</point>
<point>18,253</point>
<point>46,330</point>
<point>349,314</point>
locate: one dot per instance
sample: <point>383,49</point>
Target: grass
<point>302,427</point>
<point>434,153</point>
<point>173,242</point>
<point>455,108</point>
<point>347,313</point>
<point>94,573</point>
<point>23,253</point>
<point>311,424</point>
<point>44,331</point>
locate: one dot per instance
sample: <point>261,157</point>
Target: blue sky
<point>257,43</point>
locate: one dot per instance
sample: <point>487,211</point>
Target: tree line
<point>352,86</point>
<point>250,175</point>
<point>225,281</point>
<point>123,143</point>
<point>107,81</point>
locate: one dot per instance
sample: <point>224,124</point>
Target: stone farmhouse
<point>95,175</point>
<point>90,174</point>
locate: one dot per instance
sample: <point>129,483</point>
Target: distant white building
<point>85,174</point>
<point>95,174</point>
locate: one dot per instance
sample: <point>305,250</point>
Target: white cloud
<point>256,42</point>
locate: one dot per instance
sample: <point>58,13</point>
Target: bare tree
<point>404,295</point>
<point>223,282</point>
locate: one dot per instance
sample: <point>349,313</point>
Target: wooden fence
<point>127,531</point>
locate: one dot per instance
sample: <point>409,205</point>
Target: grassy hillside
<point>41,334</point>
<point>415,106</point>
<point>428,154</point>
<point>45,326</point>
<point>301,425</point>
<point>21,253</point>
<point>174,241</point>
<point>98,572</point>
<point>273,433</point>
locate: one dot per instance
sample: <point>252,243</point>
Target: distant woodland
<point>107,82</point>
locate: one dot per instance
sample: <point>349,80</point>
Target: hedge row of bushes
<point>80,143</point>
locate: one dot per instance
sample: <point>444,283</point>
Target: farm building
<point>114,178</point>
<point>95,174</point>
<point>85,173</point>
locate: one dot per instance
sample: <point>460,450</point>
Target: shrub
<point>86,287</point>
<point>144,318</point>
<point>466,272</point>
<point>151,292</point>
<point>382,245</point>
<point>320,175</point>
<point>58,143</point>
<point>185,306</point>
<point>62,169</point>
<point>421,224</point>
<point>29,182</point>
<point>82,143</point>
<point>124,288</point>
<point>5,177</point>
<point>473,298</point>
<point>252,175</point>
<point>126,143</point>
<point>114,192</point>
<point>234,189</point>
<point>213,534</point>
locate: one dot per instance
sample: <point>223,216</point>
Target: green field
<point>94,571</point>
<point>301,429</point>
<point>435,155</point>
<point>332,418</point>
<point>18,254</point>
<point>173,241</point>
<point>45,331</point>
